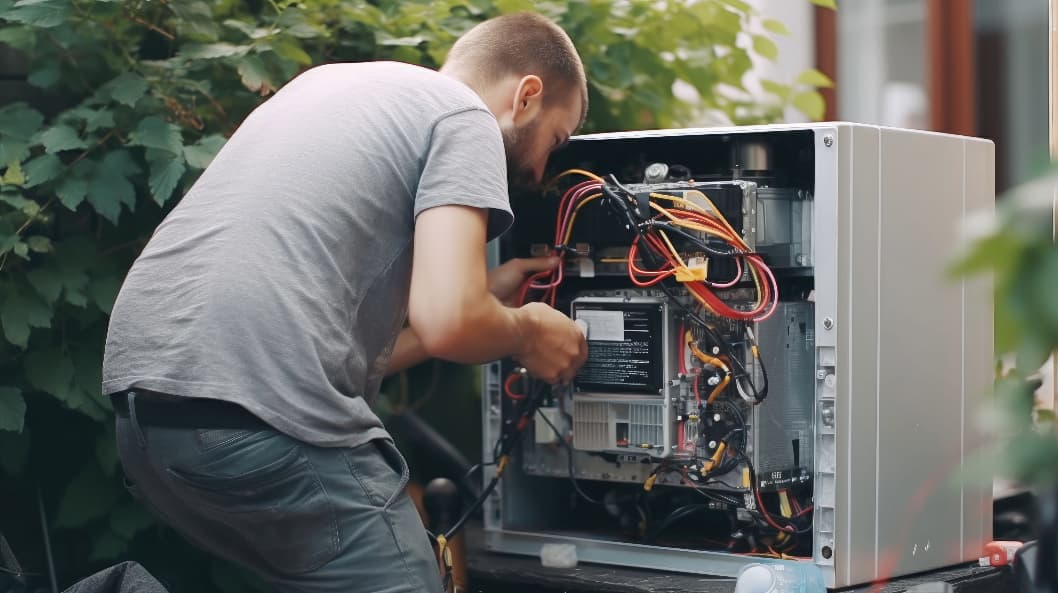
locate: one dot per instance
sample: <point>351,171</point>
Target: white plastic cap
<point>755,578</point>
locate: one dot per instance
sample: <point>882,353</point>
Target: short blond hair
<point>520,44</point>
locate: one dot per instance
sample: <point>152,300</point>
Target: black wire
<point>673,517</point>
<point>505,446</point>
<point>731,252</point>
<point>794,529</point>
<point>569,453</point>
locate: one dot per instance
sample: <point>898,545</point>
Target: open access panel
<point>779,365</point>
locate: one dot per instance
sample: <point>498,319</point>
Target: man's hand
<point>506,279</point>
<point>553,347</point>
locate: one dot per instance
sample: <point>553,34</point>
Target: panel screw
<point>828,141</point>
<point>828,323</point>
<point>826,552</point>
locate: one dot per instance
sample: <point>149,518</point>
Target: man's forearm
<point>407,352</point>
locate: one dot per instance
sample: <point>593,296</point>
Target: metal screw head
<point>712,444</point>
<point>716,417</point>
<point>828,323</point>
<point>713,381</point>
<point>828,141</point>
<point>827,415</point>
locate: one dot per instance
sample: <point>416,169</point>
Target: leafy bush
<point>135,98</point>
<point>1016,248</point>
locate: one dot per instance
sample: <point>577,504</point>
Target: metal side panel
<point>918,451</point>
<point>623,554</point>
<point>857,372</point>
<point>977,354</point>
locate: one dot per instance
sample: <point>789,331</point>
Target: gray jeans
<point>306,519</point>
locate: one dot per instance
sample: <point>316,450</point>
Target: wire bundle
<point>704,228</point>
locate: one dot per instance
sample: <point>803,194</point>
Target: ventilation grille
<point>645,425</point>
<point>607,426</point>
<point>591,426</point>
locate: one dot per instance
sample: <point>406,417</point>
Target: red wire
<point>767,515</point>
<point>508,384</point>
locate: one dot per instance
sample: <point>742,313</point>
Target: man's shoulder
<point>387,72</point>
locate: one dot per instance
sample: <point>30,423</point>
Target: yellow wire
<point>675,253</point>
<point>734,238</point>
<point>573,216</point>
<point>702,356</point>
<point>587,174</point>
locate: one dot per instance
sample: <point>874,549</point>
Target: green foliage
<point>138,97</point>
<point>1016,248</point>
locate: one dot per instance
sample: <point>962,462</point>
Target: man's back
<point>280,280</point>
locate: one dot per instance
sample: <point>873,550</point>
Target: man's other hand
<point>505,280</point>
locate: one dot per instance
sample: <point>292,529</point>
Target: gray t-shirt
<point>281,279</point>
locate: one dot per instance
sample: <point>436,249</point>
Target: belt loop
<point>131,398</point>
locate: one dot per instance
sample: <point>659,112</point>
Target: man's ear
<point>528,99</point>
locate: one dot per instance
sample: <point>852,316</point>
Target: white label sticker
<point>587,267</point>
<point>604,326</point>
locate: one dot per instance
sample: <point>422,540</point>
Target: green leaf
<point>774,26</point>
<point>765,47</point>
<point>40,13</point>
<point>12,409</point>
<point>13,149</point>
<point>19,121</point>
<point>815,78</point>
<point>165,175</point>
<point>49,370</point>
<point>825,4</point>
<point>45,76</point>
<point>13,175</point>
<point>776,88</point>
<point>104,291</point>
<point>46,282</point>
<point>155,132</point>
<point>211,51</point>
<point>247,29</point>
<point>120,162</point>
<point>811,104</point>
<point>108,191</point>
<point>195,19</point>
<point>292,22</point>
<point>410,41</point>
<point>42,169</point>
<point>200,154</point>
<point>127,88</point>
<point>89,496</point>
<point>21,250</point>
<point>21,312</point>
<point>93,119</point>
<point>14,451</point>
<point>16,201</point>
<point>254,74</point>
<point>290,50</point>
<point>39,244</point>
<point>71,192</point>
<point>61,137</point>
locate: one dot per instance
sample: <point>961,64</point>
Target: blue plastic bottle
<point>780,577</point>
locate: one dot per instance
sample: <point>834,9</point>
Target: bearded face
<point>518,144</point>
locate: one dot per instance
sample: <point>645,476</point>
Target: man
<point>259,320</point>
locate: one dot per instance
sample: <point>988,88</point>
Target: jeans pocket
<point>380,469</point>
<point>212,438</point>
<point>269,500</point>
